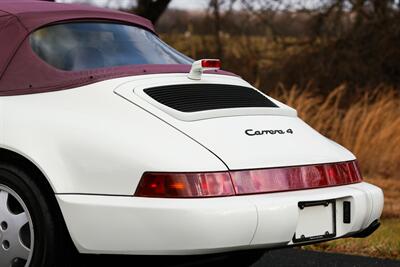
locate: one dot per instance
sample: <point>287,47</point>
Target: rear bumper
<point>367,231</point>
<point>148,226</point>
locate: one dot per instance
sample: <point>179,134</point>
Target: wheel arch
<point>20,161</point>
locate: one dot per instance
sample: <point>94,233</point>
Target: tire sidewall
<point>43,225</point>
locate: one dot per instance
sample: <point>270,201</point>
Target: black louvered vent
<point>199,97</point>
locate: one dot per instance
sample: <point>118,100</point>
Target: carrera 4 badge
<point>251,132</point>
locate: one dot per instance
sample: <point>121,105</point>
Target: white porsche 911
<point>113,140</point>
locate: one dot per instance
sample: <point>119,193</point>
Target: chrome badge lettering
<point>251,132</point>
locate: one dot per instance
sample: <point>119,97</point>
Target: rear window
<point>89,45</point>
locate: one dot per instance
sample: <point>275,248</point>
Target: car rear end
<point>283,183</point>
<point>145,157</point>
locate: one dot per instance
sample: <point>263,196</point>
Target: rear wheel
<point>30,232</point>
<point>16,230</point>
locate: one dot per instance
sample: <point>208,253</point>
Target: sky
<point>181,4</point>
<point>185,4</point>
<point>189,4</point>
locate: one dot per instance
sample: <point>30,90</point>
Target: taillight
<point>214,184</point>
<point>295,178</point>
<point>182,185</point>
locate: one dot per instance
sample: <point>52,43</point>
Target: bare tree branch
<point>215,5</point>
<point>151,9</point>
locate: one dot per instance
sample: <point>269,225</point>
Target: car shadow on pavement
<point>279,258</point>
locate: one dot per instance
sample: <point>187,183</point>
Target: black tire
<point>50,243</point>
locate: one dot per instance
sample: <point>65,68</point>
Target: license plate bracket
<point>325,212</point>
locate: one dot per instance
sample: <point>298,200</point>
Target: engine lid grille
<point>201,97</point>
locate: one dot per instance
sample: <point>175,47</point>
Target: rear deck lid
<point>243,127</point>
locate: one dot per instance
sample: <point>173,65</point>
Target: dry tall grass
<point>369,126</point>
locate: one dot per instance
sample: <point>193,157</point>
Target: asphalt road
<point>299,258</point>
<point>278,258</point>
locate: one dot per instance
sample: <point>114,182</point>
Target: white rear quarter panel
<point>90,140</point>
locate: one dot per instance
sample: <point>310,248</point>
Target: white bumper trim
<point>148,226</point>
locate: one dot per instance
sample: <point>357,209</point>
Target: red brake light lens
<point>214,184</point>
<point>181,185</point>
<point>211,63</point>
<point>295,178</point>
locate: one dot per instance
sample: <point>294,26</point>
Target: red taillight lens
<point>214,184</point>
<point>185,185</point>
<point>211,63</point>
<point>295,178</point>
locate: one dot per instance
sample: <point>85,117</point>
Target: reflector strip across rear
<point>295,178</point>
<point>214,184</point>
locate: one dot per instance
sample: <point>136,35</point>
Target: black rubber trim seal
<point>369,230</point>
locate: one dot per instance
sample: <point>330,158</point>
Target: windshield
<point>90,45</point>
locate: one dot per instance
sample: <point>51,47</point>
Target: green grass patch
<point>384,243</point>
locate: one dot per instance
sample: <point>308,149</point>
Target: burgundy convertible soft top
<point>23,72</point>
